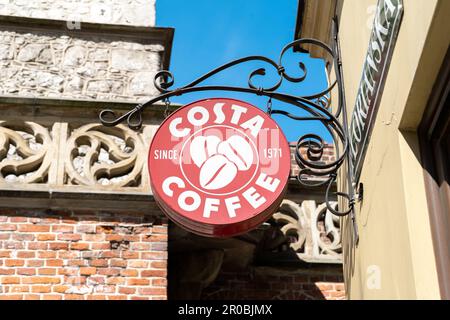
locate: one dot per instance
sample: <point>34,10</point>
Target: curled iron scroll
<point>313,172</point>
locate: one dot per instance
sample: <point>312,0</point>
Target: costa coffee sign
<point>219,167</point>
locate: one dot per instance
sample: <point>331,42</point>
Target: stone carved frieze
<point>309,230</point>
<point>97,155</point>
<point>25,152</point>
<point>84,158</point>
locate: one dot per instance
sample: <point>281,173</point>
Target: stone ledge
<point>162,35</point>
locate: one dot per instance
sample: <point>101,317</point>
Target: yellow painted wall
<point>395,238</point>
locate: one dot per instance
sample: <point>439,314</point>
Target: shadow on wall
<point>232,269</point>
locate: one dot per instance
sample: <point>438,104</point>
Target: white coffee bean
<point>217,172</point>
<point>202,148</point>
<point>237,150</point>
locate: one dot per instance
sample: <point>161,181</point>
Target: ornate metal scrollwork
<point>317,107</point>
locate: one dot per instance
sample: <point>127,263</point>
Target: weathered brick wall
<point>82,255</point>
<point>131,12</point>
<point>277,285</point>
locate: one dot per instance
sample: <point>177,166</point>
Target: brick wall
<point>277,284</point>
<point>82,255</point>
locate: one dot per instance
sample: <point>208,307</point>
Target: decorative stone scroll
<point>311,231</point>
<point>26,152</point>
<point>58,157</point>
<point>97,155</point>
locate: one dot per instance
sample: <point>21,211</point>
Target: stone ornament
<point>25,152</point>
<point>106,156</point>
<point>312,231</point>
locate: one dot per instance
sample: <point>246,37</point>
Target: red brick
<point>46,237</point>
<point>158,238</point>
<point>14,245</point>
<point>158,264</point>
<point>114,237</point>
<point>86,229</point>
<point>14,262</point>
<point>115,280</point>
<point>62,229</point>
<point>37,246</point>
<point>93,237</point>
<point>41,289</point>
<point>19,289</point>
<point>100,246</point>
<point>47,271</point>
<point>137,282</point>
<point>140,246</point>
<point>69,254</point>
<point>69,237</point>
<point>5,254</point>
<point>41,280</point>
<point>18,219</point>
<point>33,228</point>
<point>109,271</point>
<point>58,245</point>
<point>75,280</point>
<point>99,263</point>
<point>5,236</point>
<point>154,255</point>
<point>127,290</point>
<point>12,297</point>
<point>79,246</point>
<point>77,263</point>
<point>160,229</point>
<point>26,254</point>
<point>22,237</point>
<point>60,289</point>
<point>118,263</point>
<point>68,271</point>
<point>132,238</point>
<point>54,263</point>
<point>138,264</point>
<point>110,254</point>
<point>159,282</point>
<point>130,255</point>
<point>46,254</point>
<point>129,273</point>
<point>95,280</point>
<point>7,271</point>
<point>10,280</point>
<point>153,273</point>
<point>35,263</point>
<point>152,291</point>
<point>26,271</point>
<point>7,227</point>
<point>87,271</point>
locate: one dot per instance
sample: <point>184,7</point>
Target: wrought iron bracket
<point>309,147</point>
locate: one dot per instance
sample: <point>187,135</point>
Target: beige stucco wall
<point>395,239</point>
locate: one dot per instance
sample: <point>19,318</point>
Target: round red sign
<point>219,167</point>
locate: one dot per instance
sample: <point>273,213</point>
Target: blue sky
<point>209,33</point>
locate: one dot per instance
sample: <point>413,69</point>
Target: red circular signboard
<point>219,167</point>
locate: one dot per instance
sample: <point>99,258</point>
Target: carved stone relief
<point>307,229</point>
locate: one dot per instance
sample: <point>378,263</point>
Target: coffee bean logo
<point>203,148</point>
<point>237,150</point>
<point>219,161</point>
<point>217,172</point>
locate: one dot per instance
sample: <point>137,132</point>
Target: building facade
<point>77,216</point>
<point>403,247</point>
